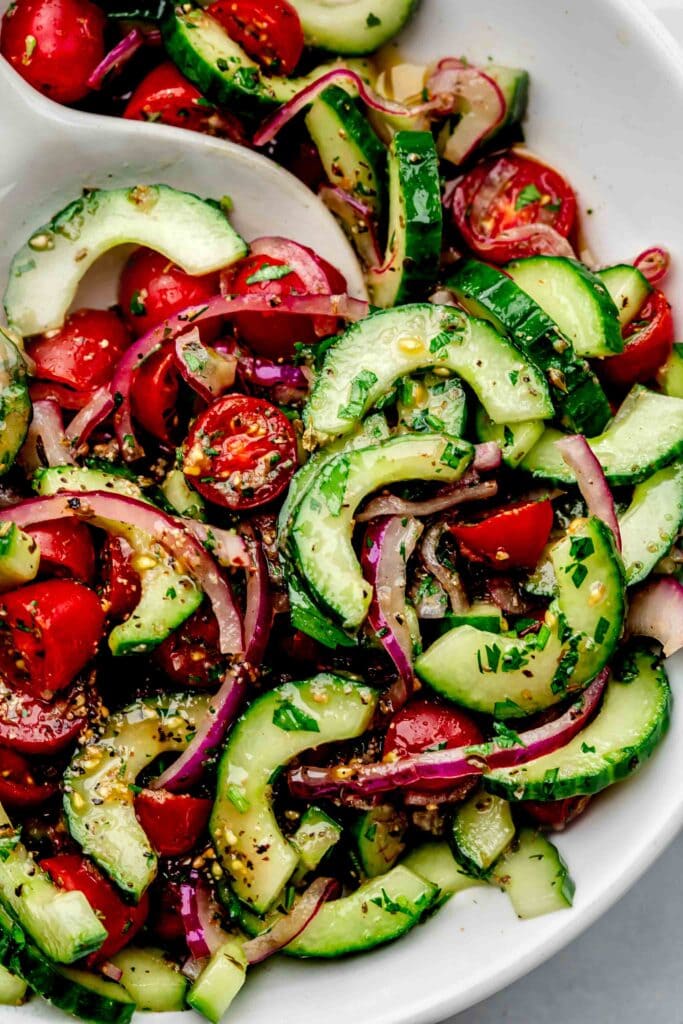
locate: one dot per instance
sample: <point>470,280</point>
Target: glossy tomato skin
<point>30,726</point>
<point>65,397</point>
<point>41,651</point>
<point>513,537</point>
<point>425,724</point>
<point>190,655</point>
<point>241,452</point>
<point>269,30</point>
<point>55,45</point>
<point>165,919</point>
<point>505,192</point>
<point>123,921</point>
<point>174,822</point>
<point>18,787</point>
<point>66,549</point>
<point>648,343</point>
<point>556,814</point>
<point>155,393</point>
<point>83,353</point>
<point>121,589</point>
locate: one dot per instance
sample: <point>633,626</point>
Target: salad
<point>314,611</point>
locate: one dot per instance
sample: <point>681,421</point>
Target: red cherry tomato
<point>556,814</point>
<point>152,288</point>
<point>155,393</point>
<point>42,649</point>
<point>241,452</point>
<point>174,822</point>
<point>512,537</point>
<point>123,921</point>
<point>65,397</point>
<point>190,655</point>
<point>54,44</point>
<point>422,725</point>
<point>18,787</point>
<point>269,30</point>
<point>83,353</point>
<point>648,343</point>
<point>66,549</point>
<point>165,919</point>
<point>305,164</point>
<point>120,582</point>
<point>32,727</point>
<point>505,192</point>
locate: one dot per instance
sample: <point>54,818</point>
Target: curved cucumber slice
<point>15,404</point>
<point>153,981</point>
<point>646,434</point>
<point>435,862</point>
<point>631,722</point>
<point>98,798</point>
<point>534,875</point>
<point>434,405</point>
<point>629,290</point>
<point>511,677</point>
<point>383,909</point>
<point>515,440</point>
<point>275,728</point>
<point>46,272</point>
<point>487,292</point>
<point>323,523</point>
<point>575,299</point>
<point>481,829</point>
<point>367,360</point>
<point>356,26</point>
<point>652,522</point>
<point>19,556</point>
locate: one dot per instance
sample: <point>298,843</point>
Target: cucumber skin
<point>15,404</point>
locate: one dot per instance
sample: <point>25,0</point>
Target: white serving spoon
<point>49,153</point>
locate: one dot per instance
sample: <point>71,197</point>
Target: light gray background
<point>627,968</point>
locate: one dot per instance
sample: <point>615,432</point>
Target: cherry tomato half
<point>269,30</point>
<point>190,655</point>
<point>123,921</point>
<point>66,549</point>
<point>556,814</point>
<point>512,537</point>
<point>506,192</point>
<point>32,727</point>
<point>241,452</point>
<point>120,583</point>
<point>174,822</point>
<point>155,393</point>
<point>65,397</point>
<point>40,647</point>
<point>54,44</point>
<point>18,788</point>
<point>83,353</point>
<point>648,343</point>
<point>423,725</point>
<point>165,919</point>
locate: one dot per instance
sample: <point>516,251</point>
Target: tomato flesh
<point>648,341</point>
<point>556,814</point>
<point>121,589</point>
<point>425,725</point>
<point>18,787</point>
<point>55,45</point>
<point>174,822</point>
<point>123,921</point>
<point>66,549</point>
<point>241,452</point>
<point>514,537</point>
<point>65,397</point>
<point>83,353</point>
<point>191,656</point>
<point>155,393</point>
<point>33,727</point>
<point>268,30</point>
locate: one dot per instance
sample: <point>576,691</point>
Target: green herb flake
<point>528,195</point>
<point>542,637</point>
<point>505,737</point>
<point>237,799</point>
<point>372,21</point>
<point>580,548</point>
<point>137,306</point>
<point>371,832</point>
<point>513,376</point>
<point>332,484</point>
<point>269,272</point>
<point>361,386</point>
<point>507,709</point>
<point>451,456</point>
<point>385,902</point>
<point>601,630</point>
<point>493,656</point>
<point>578,574</point>
<point>587,749</point>
<point>288,717</point>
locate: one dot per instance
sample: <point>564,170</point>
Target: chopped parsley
<point>601,629</point>
<point>451,456</point>
<point>372,21</point>
<point>587,749</point>
<point>507,737</point>
<point>360,388</point>
<point>137,306</point>
<point>269,272</point>
<point>288,717</point>
<point>385,902</point>
<point>507,709</point>
<point>528,195</point>
<point>237,799</point>
<point>332,484</point>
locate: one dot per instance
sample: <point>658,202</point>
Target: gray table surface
<point>627,967</point>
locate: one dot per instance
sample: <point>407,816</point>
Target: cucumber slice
<point>652,522</point>
<point>323,523</point>
<point>646,434</point>
<point>353,157</point>
<point>15,404</point>
<point>631,722</point>
<point>278,726</point>
<point>576,299</point>
<point>481,829</point>
<point>46,272</point>
<point>515,440</point>
<point>512,677</point>
<point>379,835</point>
<point>151,979</point>
<point>487,292</point>
<point>316,835</point>
<point>367,360</point>
<point>306,616</point>
<point>670,377</point>
<point>435,862</point>
<point>12,988</point>
<point>380,911</point>
<point>19,556</point>
<point>534,875</point>
<point>411,260</point>
<point>629,290</point>
<point>98,798</point>
<point>514,85</point>
<point>356,26</point>
<point>480,615</point>
<point>182,498</point>
<point>432,404</point>
<point>220,981</point>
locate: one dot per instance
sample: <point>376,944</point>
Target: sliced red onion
<point>653,263</point>
<point>358,219</point>
<point>505,595</point>
<point>656,610</point>
<point>305,264</point>
<point>387,547</point>
<point>258,613</point>
<point>110,970</point>
<point>227,547</point>
<point>223,709</point>
<point>192,968</point>
<point>484,105</point>
<point>117,58</point>
<point>487,457</point>
<point>467,488</point>
<point>204,933</point>
<point>172,534</point>
<point>580,458</point>
<point>268,374</point>
<point>449,766</point>
<point>208,372</point>
<point>291,925</point>
<point>448,578</point>
<point>46,433</point>
<point>432,604</point>
<point>100,406</point>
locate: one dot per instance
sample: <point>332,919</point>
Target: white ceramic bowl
<point>606,104</point>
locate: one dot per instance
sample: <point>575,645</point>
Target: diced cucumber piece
<point>365,362</point>
<point>435,862</point>
<point>316,835</point>
<point>646,434</point>
<point>183,499</point>
<point>323,523</point>
<point>432,404</point>
<point>15,404</point>
<point>379,835</point>
<point>652,522</point>
<point>356,26</point>
<point>670,377</point>
<point>515,440</point>
<point>278,726</point>
<point>577,300</point>
<point>151,979</point>
<point>629,290</point>
<point>220,981</point>
<point>480,615</point>
<point>46,272</point>
<point>481,829</point>
<point>12,988</point>
<point>19,556</point>
<point>99,782</point>
<point>630,724</point>
<point>534,875</point>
